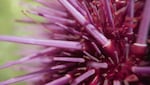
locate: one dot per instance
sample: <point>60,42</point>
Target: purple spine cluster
<point>87,42</point>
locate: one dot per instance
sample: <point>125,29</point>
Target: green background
<point>10,10</point>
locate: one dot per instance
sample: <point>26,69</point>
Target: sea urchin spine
<point>90,42</point>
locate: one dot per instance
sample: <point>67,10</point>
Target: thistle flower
<point>91,42</point>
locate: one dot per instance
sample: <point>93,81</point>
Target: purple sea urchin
<point>92,42</point>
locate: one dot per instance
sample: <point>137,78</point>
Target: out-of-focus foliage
<point>9,11</point>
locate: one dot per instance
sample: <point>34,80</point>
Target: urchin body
<point>91,42</point>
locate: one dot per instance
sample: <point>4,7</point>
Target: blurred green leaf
<point>9,11</point>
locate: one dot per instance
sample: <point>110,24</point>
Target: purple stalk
<point>109,13</point>
<point>127,50</point>
<point>30,57</point>
<point>95,80</point>
<point>144,26</point>
<point>25,77</point>
<point>126,83</point>
<point>59,67</point>
<point>75,3</point>
<point>105,82</point>
<point>62,66</point>
<point>96,48</point>
<point>83,77</point>
<point>51,4</point>
<point>67,59</point>
<point>61,81</point>
<point>87,11</point>
<point>140,44</point>
<point>121,10</point>
<point>83,21</point>
<point>98,65</point>
<point>73,11</point>
<point>53,43</point>
<point>59,19</point>
<point>51,11</point>
<point>141,70</point>
<point>116,56</point>
<point>116,82</point>
<point>131,14</point>
<point>97,35</point>
<point>53,17</point>
<point>90,56</point>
